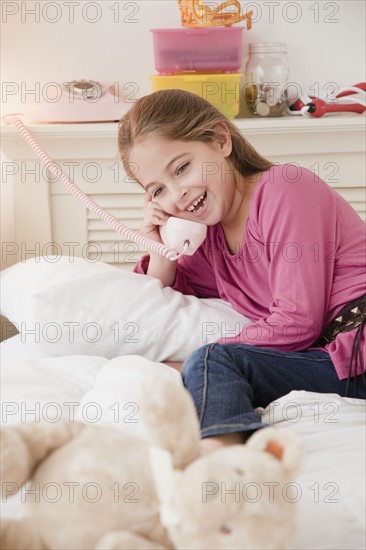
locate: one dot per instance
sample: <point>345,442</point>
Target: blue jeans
<point>228,381</point>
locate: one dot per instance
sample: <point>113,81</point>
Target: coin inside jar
<point>262,108</point>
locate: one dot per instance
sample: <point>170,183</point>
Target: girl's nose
<point>179,198</point>
<point>180,194</point>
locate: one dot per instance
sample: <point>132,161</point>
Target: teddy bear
<point>95,487</point>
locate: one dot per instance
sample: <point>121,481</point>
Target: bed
<point>85,321</point>
<point>83,328</point>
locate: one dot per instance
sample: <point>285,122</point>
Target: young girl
<point>282,247</point>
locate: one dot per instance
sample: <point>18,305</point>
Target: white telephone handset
<point>184,236</point>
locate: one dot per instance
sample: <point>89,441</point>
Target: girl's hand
<point>159,266</point>
<point>154,216</point>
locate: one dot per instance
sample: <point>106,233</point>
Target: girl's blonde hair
<point>183,116</point>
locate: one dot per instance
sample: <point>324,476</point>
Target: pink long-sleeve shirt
<point>302,258</point>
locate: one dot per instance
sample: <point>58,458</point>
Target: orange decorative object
<point>194,14</point>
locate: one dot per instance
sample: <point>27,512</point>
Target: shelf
<point>298,124</point>
<point>288,137</point>
<point>337,122</point>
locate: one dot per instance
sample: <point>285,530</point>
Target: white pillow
<point>75,307</point>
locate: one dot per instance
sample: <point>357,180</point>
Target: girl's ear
<point>223,138</point>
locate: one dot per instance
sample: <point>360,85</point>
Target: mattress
<point>329,491</point>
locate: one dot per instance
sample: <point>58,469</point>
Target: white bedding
<point>330,488</point>
<point>123,325</point>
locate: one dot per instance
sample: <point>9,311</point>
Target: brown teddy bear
<point>94,487</point>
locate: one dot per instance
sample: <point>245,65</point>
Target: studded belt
<point>351,317</point>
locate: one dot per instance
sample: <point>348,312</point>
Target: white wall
<point>326,42</point>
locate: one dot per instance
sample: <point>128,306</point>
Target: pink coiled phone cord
<point>107,217</point>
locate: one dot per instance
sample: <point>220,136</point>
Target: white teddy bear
<point>94,487</point>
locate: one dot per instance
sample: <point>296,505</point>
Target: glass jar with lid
<point>266,79</point>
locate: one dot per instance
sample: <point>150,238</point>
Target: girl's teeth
<point>192,207</point>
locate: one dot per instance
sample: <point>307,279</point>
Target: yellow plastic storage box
<point>222,90</point>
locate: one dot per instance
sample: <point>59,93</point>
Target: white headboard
<point>48,220</point>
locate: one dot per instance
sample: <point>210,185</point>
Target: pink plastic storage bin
<point>211,50</point>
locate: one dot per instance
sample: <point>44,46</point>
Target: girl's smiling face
<point>187,179</point>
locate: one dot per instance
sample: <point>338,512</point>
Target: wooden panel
<point>111,247</point>
<point>69,226</point>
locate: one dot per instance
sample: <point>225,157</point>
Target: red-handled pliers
<point>317,106</point>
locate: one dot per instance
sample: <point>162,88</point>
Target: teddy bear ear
<point>275,448</point>
<point>283,445</point>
